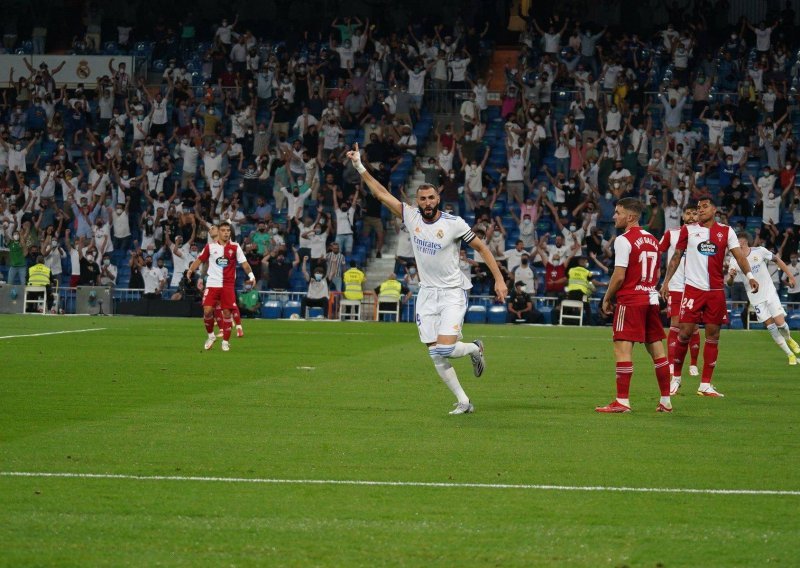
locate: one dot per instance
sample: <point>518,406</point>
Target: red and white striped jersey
<point>637,251</point>
<point>668,243</point>
<point>706,248</point>
<point>222,261</point>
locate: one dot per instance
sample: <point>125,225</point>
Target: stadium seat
<point>793,320</point>
<point>314,312</point>
<point>350,310</point>
<point>271,310</point>
<point>497,314</point>
<point>291,307</point>
<point>571,310</point>
<point>476,314</point>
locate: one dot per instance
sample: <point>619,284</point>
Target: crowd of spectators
<point>118,184</point>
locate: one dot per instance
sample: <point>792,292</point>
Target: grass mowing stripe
<point>432,484</point>
<point>52,333</point>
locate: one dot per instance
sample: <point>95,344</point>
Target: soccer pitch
<point>329,444</point>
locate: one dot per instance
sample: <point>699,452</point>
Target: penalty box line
<point>424,484</point>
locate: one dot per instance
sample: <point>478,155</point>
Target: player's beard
<point>428,213</point>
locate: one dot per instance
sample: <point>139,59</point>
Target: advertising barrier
<point>84,69</point>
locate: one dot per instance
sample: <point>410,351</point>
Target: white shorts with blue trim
<point>440,311</point>
<point>769,308</point>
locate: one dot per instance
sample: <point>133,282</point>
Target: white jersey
<point>668,241</point>
<point>436,248</point>
<point>758,259</point>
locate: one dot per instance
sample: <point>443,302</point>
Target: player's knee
<point>445,350</point>
<point>436,357</point>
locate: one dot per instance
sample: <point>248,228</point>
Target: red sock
<point>218,316</point>
<point>237,315</point>
<point>679,356</point>
<point>672,339</point>
<point>208,320</point>
<point>227,324</point>
<point>624,373</point>
<point>694,347</point>
<point>662,374</point>
<point>710,352</point>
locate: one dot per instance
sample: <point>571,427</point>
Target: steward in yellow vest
<point>353,279</point>
<point>40,275</point>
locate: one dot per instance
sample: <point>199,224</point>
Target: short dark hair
<point>224,224</point>
<point>427,186</point>
<point>631,204</point>
<point>746,236</point>
<point>709,199</point>
<point>690,208</point>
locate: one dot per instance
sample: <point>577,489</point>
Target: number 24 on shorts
<point>687,304</point>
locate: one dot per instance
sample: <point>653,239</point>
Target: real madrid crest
<point>439,234</point>
<point>83,71</point>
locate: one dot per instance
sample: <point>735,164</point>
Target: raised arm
<point>381,193</point>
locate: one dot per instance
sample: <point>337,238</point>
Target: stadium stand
<point>117,183</point>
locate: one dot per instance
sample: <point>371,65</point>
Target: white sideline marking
<point>52,333</point>
<point>522,486</point>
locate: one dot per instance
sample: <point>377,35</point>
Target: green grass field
<point>362,402</point>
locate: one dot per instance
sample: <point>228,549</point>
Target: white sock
<point>784,329</point>
<point>776,335</point>
<point>238,326</point>
<point>665,400</point>
<point>448,375</point>
<point>212,336</point>
<point>625,401</point>
<point>676,378</point>
<point>457,350</point>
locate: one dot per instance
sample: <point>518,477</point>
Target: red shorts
<point>674,304</point>
<point>640,324</point>
<point>225,297</point>
<point>701,306</point>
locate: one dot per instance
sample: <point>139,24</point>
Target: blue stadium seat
<point>271,310</point>
<point>291,307</point>
<point>497,314</point>
<point>793,319</point>
<point>315,312</point>
<point>476,314</point>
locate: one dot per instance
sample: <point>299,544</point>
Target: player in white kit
<point>442,300</point>
<point>766,302</point>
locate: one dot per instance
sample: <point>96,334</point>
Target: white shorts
<point>440,311</point>
<point>770,308</point>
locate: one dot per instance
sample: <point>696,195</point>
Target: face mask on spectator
<point>318,276</point>
<point>412,271</point>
